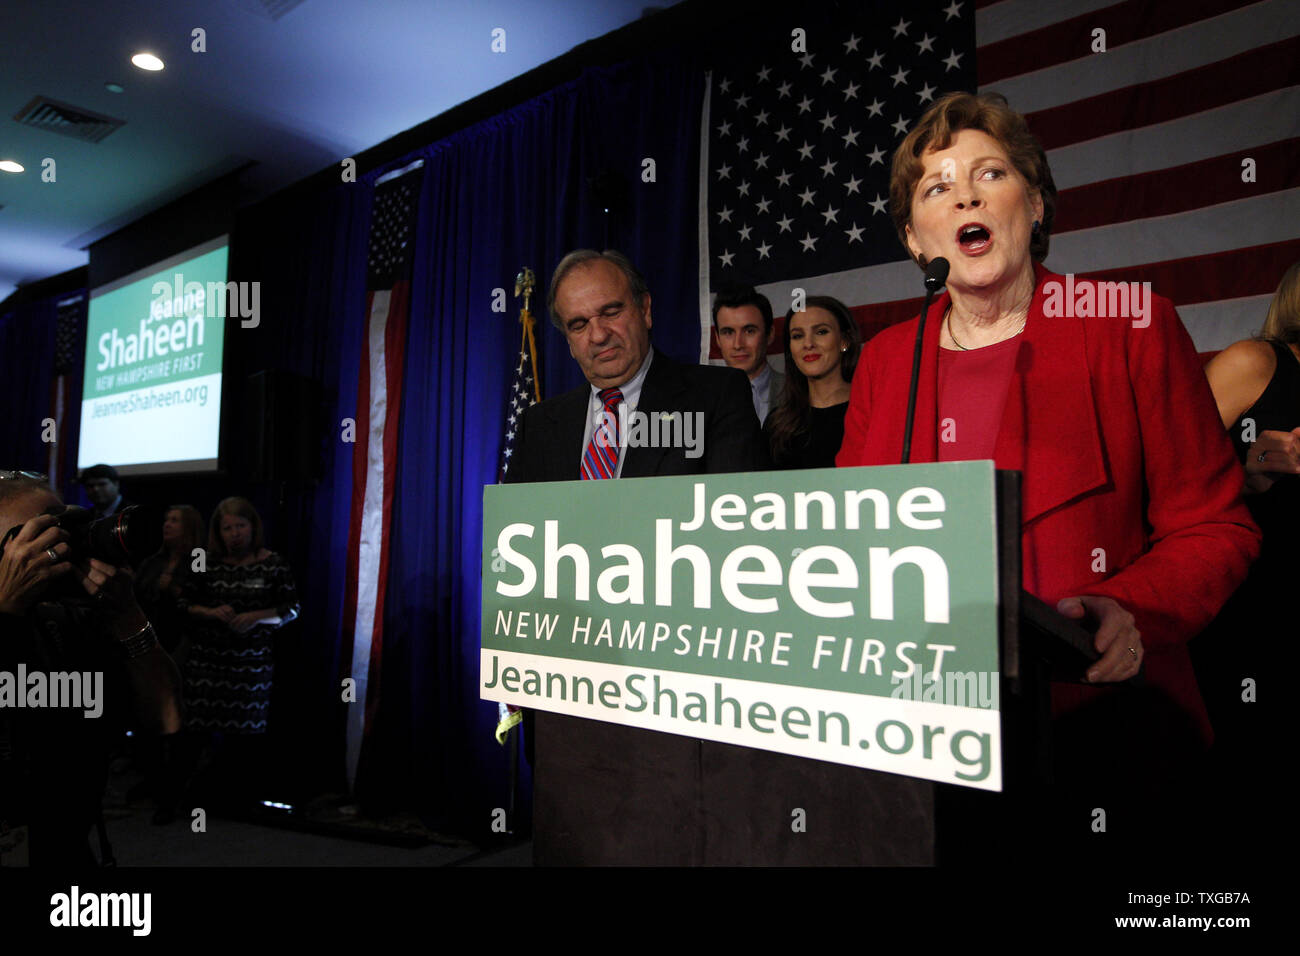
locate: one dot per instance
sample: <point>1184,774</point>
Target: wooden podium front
<point>609,795</point>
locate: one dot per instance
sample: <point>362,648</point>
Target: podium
<point>607,794</point>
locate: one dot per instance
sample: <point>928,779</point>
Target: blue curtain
<point>27,357</point>
<point>509,192</point>
<point>561,171</point>
<point>308,251</point>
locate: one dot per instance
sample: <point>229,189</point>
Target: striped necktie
<point>601,457</point>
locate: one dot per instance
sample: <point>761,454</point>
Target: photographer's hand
<point>27,563</point>
<point>114,594</point>
<point>155,682</point>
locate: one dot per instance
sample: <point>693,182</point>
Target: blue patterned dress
<point>228,675</point>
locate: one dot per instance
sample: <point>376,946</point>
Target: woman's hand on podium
<point>1117,638</point>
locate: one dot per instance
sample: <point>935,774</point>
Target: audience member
<point>1256,383</point>
<point>822,344</point>
<point>743,326</point>
<point>245,594</point>
<point>158,586</point>
<point>104,489</point>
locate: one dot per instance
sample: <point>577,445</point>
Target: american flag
<point>390,262</point>
<point>1148,141</point>
<point>797,154</point>
<point>525,390</point>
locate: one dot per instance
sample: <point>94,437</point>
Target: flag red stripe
<point>881,315</point>
<point>394,366</point>
<point>1177,189</point>
<point>1248,74</point>
<point>1124,23</point>
<point>1232,274</point>
<point>1222,275</point>
<point>360,451</point>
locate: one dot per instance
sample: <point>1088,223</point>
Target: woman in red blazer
<point>1133,519</point>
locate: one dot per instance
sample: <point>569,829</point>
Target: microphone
<point>936,273</point>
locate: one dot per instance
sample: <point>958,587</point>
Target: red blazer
<point>1121,447</point>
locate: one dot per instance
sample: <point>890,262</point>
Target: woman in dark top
<point>159,585</point>
<point>162,576</point>
<point>822,344</point>
<point>1256,384</point>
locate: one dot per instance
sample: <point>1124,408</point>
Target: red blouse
<point>972,393</point>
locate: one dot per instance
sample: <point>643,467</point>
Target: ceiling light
<point>147,61</point>
<point>9,166</point>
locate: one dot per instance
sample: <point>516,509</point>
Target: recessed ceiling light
<point>114,87</point>
<point>147,61</point>
<point>9,166</point>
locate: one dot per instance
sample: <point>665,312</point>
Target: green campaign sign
<point>847,614</point>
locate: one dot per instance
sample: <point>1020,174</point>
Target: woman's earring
<point>844,348</point>
<point>1035,226</point>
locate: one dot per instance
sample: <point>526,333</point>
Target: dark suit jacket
<point>548,444</point>
<point>607,794</point>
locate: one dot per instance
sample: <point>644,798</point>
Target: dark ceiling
<point>326,80</point>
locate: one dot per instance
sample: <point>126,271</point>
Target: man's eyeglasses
<point>34,475</point>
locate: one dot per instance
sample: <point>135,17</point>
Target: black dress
<point>821,443</point>
<point>1260,614</point>
<point>163,605</point>
<point>1276,511</point>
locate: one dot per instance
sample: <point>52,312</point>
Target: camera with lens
<point>125,538</point>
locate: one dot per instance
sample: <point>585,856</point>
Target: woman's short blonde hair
<point>990,114</point>
<point>1283,322</point>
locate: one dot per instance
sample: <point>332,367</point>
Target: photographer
<point>64,610</point>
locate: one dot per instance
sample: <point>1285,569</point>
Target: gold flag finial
<point>525,282</point>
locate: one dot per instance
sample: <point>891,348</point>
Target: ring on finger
<point>54,557</point>
<point>1133,651</point>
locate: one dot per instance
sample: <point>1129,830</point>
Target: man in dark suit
<point>103,488</point>
<point>600,303</point>
<point>605,793</point>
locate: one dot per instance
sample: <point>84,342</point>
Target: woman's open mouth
<point>974,238</point>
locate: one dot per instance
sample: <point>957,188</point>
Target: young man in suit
<point>606,793</point>
<point>743,326</point>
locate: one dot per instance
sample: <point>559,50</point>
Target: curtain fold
<point>514,191</point>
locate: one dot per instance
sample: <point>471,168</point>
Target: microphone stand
<point>936,273</point>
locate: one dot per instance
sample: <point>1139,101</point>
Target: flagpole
<point>525,282</point>
<point>510,716</point>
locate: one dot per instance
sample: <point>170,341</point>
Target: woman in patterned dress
<point>244,596</point>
